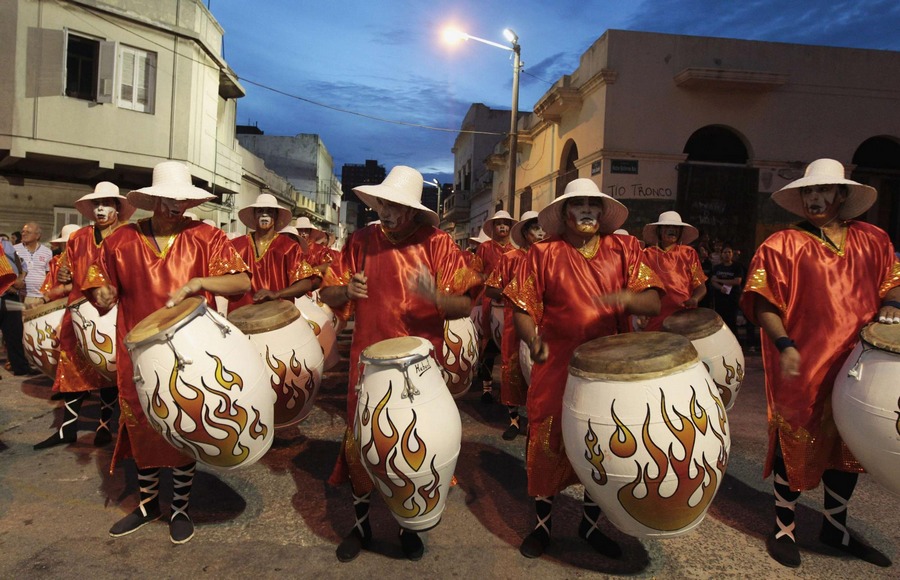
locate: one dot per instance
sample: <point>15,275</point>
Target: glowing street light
<point>453,35</point>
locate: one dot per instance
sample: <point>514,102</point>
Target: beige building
<point>710,127</point>
<point>104,90</point>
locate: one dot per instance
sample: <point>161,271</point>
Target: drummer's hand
<point>641,322</point>
<point>539,349</point>
<point>357,288</point>
<point>105,297</point>
<point>422,283</point>
<point>264,295</point>
<point>690,303</point>
<point>790,362</point>
<point>618,300</point>
<point>889,315</point>
<point>64,276</point>
<point>193,286</point>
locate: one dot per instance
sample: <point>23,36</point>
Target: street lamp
<point>452,35</point>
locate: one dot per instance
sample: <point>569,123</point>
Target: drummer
<point>75,378</point>
<point>513,388</point>
<point>419,279</point>
<point>316,253</point>
<point>676,263</point>
<point>554,316</point>
<point>489,252</point>
<point>154,263</point>
<point>279,270</point>
<point>811,288</point>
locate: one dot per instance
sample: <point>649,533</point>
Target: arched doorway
<point>877,162</point>
<point>717,191</point>
<point>567,171</point>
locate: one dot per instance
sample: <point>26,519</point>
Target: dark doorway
<point>568,173</point>
<point>877,162</point>
<point>717,192</point>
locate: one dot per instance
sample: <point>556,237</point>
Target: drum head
<point>694,324</point>
<point>393,348</point>
<point>38,311</point>
<point>882,336</point>
<point>164,319</point>
<point>265,316</point>
<point>633,356</point>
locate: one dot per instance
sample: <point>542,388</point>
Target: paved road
<point>279,519</point>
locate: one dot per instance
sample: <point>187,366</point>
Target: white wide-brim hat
<point>402,185</point>
<point>290,231</point>
<point>247,217</point>
<point>488,226</point>
<point>670,218</point>
<point>104,190</point>
<point>480,238</point>
<point>315,234</point>
<point>191,216</point>
<point>554,223</point>
<point>171,180</point>
<point>67,230</point>
<point>826,172</point>
<point>622,232</point>
<point>517,232</point>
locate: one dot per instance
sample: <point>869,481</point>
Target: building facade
<point>710,127</point>
<point>353,175</point>
<point>105,90</point>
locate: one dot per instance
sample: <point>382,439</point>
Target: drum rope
<point>856,370</point>
<point>223,328</point>
<point>180,360</point>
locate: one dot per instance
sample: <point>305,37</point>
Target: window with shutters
<point>136,74</point>
<point>82,62</point>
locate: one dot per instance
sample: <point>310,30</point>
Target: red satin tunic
<point>513,389</point>
<point>680,271</point>
<point>279,266</point>
<point>489,254</point>
<point>558,287</point>
<point>825,297</point>
<point>392,310</point>
<point>74,373</point>
<point>144,277</point>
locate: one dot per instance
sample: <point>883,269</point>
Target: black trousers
<point>11,326</point>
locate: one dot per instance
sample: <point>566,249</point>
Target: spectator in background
<point>35,261</point>
<point>709,299</point>
<point>16,238</point>
<point>726,281</point>
<point>11,318</point>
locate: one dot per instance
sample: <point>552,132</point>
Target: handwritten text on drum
<point>422,367</point>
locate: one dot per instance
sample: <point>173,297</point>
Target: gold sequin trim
<point>891,280</point>
<point>303,271</point>
<point>697,275</point>
<point>127,413</point>
<point>525,296</point>
<point>758,282</point>
<point>495,280</point>
<point>233,265</point>
<point>646,278</point>
<point>462,280</point>
<point>95,277</point>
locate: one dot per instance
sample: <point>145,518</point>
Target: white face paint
<point>394,216</point>
<point>821,203</point>
<point>264,217</point>
<point>105,211</point>
<point>501,229</point>
<point>534,233</point>
<point>583,214</point>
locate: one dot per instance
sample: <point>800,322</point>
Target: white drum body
<point>205,389</point>
<point>408,430</point>
<point>460,355</point>
<point>724,359</point>
<point>651,452</point>
<point>96,336</point>
<point>716,346</point>
<point>323,327</point>
<point>40,335</point>
<point>497,324</point>
<point>294,359</point>
<point>525,362</point>
<point>866,407</point>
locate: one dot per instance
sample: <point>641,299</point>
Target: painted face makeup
<point>394,216</point>
<point>105,211</point>
<point>265,218</point>
<point>534,233</point>
<point>501,228</point>
<point>583,214</point>
<point>821,202</point>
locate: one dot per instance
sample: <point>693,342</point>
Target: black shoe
<point>535,544</point>
<point>600,542</point>
<point>57,396</point>
<point>487,398</point>
<point>133,522</point>
<point>102,437</point>
<point>412,545</point>
<point>511,432</point>
<point>352,545</point>
<point>855,548</point>
<point>55,440</point>
<point>181,528</point>
<point>784,550</point>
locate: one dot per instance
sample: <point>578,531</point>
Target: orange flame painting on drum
<point>101,342</point>
<point>460,355</point>
<point>734,376</point>
<point>43,349</point>
<point>398,496</point>
<point>197,437</point>
<point>291,397</point>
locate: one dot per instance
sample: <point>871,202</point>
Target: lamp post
<point>455,35</point>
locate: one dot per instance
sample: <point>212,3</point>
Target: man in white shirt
<point>35,260</point>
